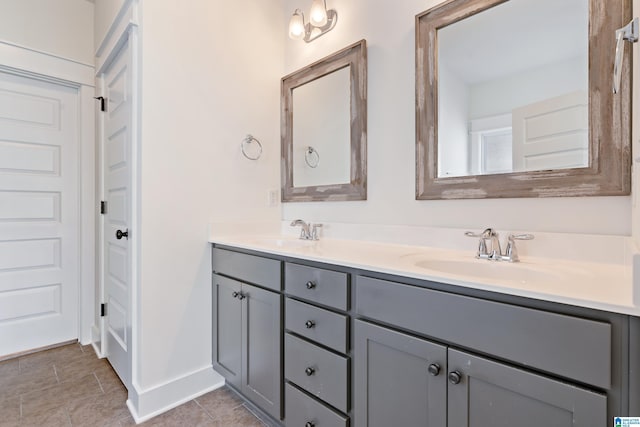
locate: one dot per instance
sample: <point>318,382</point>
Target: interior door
<point>38,213</point>
<point>116,167</point>
<point>552,134</point>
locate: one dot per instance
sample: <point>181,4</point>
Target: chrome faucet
<point>493,251</point>
<point>308,231</point>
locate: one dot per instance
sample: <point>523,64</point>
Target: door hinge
<point>103,207</point>
<point>103,309</point>
<point>102,100</point>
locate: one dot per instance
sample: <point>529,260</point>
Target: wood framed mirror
<point>473,141</point>
<point>324,129</point>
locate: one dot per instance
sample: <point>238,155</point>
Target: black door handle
<point>120,234</point>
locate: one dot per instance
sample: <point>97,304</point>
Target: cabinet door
<point>393,386</point>
<point>497,395</point>
<point>227,329</point>
<point>261,358</point>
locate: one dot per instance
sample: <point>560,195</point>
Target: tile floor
<point>70,386</point>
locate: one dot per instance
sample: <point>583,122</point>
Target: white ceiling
<point>513,37</point>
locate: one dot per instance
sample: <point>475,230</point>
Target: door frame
<point>26,62</point>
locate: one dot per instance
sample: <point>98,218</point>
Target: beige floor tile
<point>56,417</point>
<point>188,414</point>
<point>219,403</point>
<point>101,410</point>
<point>62,394</point>
<point>10,411</point>
<point>35,379</point>
<point>78,367</point>
<point>9,367</point>
<point>50,357</point>
<point>108,379</point>
<point>240,416</point>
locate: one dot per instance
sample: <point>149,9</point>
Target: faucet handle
<point>314,231</point>
<point>525,236</point>
<point>483,252</point>
<point>511,253</point>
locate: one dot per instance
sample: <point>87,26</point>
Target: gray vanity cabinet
<point>498,395</point>
<point>400,380</point>
<point>247,341</point>
<point>404,380</point>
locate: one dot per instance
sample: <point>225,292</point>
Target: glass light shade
<point>318,14</point>
<point>296,25</point>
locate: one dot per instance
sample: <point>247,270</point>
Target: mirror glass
<point>321,134</point>
<point>324,128</point>
<point>513,88</point>
<point>514,99</point>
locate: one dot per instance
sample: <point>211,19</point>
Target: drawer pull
<point>309,371</point>
<point>310,324</point>
<point>310,285</point>
<point>309,424</point>
<point>434,369</point>
<point>455,377</point>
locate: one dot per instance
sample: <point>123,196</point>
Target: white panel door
<point>116,164</point>
<point>552,134</point>
<point>39,213</point>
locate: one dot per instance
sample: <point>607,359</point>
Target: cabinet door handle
<point>311,285</point>
<point>455,377</point>
<point>235,294</point>
<point>309,424</point>
<point>310,324</point>
<point>309,371</point>
<point>434,369</point>
<point>241,296</point>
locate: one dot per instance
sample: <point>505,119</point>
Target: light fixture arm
<point>311,32</point>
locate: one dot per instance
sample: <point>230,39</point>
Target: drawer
<point>325,287</point>
<point>301,409</point>
<point>317,324</point>
<point>568,346</point>
<point>318,371</point>
<point>254,269</point>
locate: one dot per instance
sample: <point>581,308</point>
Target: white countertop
<point>607,286</point>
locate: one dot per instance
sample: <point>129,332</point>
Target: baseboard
<point>146,404</point>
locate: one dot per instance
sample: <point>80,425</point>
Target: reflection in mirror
<point>324,129</point>
<point>321,121</point>
<point>513,97</point>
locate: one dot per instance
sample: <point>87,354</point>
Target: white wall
<point>62,27</point>
<point>453,124</point>
<point>210,75</point>
<point>106,12</point>
<point>502,95</point>
<point>389,30</point>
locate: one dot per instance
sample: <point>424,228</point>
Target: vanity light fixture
<point>321,21</point>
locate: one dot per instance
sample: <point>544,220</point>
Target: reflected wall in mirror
<point>324,129</point>
<point>507,105</point>
<point>321,134</point>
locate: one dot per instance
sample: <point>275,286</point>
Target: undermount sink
<point>495,270</point>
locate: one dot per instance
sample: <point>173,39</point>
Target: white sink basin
<point>494,270</point>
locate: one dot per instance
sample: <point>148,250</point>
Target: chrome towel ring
<point>247,142</point>
<point>311,157</point>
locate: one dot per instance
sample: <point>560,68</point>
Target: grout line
<point>99,383</point>
<point>55,372</point>
<point>205,411</point>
